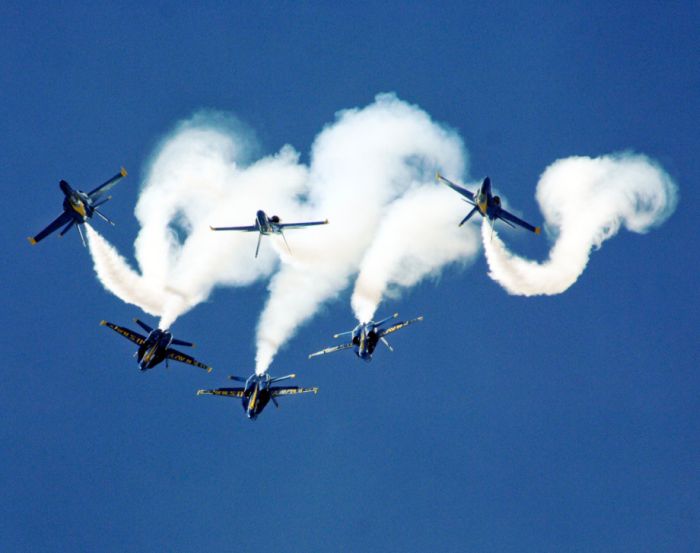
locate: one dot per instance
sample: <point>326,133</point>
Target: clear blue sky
<point>567,423</point>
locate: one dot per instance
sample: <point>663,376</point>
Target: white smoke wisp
<point>362,166</point>
<point>198,178</point>
<point>585,201</point>
<point>417,238</point>
<point>119,278</point>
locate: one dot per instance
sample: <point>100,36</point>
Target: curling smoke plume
<point>199,177</point>
<point>584,202</point>
<point>372,174</point>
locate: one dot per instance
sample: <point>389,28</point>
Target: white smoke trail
<point>362,167</point>
<point>196,179</point>
<point>418,236</point>
<point>119,278</point>
<point>584,200</point>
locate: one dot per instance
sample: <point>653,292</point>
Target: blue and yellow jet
<point>78,207</point>
<point>155,347</point>
<point>258,391</point>
<point>486,204</point>
<point>265,226</point>
<point>365,337</point>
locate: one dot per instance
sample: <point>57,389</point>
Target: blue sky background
<point>566,423</point>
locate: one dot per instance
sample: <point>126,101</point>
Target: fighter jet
<point>265,225</point>
<point>258,391</point>
<point>78,207</point>
<point>365,336</point>
<point>486,204</point>
<point>155,347</point>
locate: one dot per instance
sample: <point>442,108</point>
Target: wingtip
<point>538,230</point>
<point>103,323</point>
<point>326,222</point>
<point>292,376</point>
<point>201,392</point>
<point>396,314</point>
<point>32,241</point>
<point>420,318</point>
<point>123,172</point>
<point>209,369</point>
<point>437,175</point>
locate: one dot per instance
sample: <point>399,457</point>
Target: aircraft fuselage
<point>256,395</point>
<point>76,203</point>
<point>365,337</point>
<point>154,349</point>
<point>488,204</point>
<point>267,225</point>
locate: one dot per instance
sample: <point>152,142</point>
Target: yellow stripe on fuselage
<point>79,207</point>
<point>482,207</point>
<point>149,354</point>
<point>251,403</point>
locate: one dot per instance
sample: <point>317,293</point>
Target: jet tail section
<point>143,325</point>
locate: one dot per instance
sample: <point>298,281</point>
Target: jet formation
<point>258,389</point>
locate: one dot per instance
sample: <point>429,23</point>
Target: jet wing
<point>244,229</point>
<point>184,358</point>
<point>128,334</point>
<point>58,222</point>
<point>301,225</point>
<point>331,350</point>
<point>398,326</point>
<point>457,188</point>
<point>290,390</point>
<point>232,392</point>
<point>97,193</point>
<point>505,215</point>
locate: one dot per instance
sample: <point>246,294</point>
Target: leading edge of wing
<point>507,216</point>
<point>231,392</point>
<point>128,334</point>
<point>456,187</point>
<point>399,326</point>
<point>176,355</point>
<point>53,226</point>
<point>331,350</point>
<point>301,225</point>
<point>291,390</point>
<point>244,229</point>
<point>106,186</point>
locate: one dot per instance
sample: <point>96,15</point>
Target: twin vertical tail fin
<point>257,248</point>
<point>469,215</point>
<point>143,325</point>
